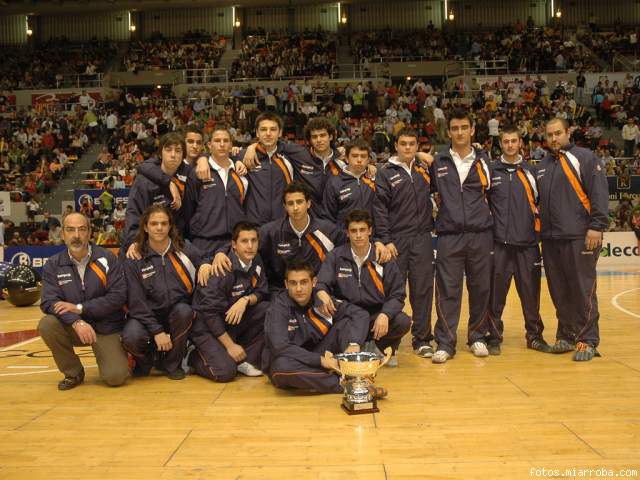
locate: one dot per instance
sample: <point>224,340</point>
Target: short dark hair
<point>407,132</point>
<point>192,129</point>
<point>244,227</point>
<point>563,121</point>
<point>297,187</point>
<point>299,265</point>
<point>459,114</point>
<point>270,116</point>
<point>358,215</point>
<point>359,143</point>
<point>171,138</point>
<point>319,123</point>
<point>510,128</point>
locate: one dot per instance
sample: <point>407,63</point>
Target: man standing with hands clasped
<point>573,211</point>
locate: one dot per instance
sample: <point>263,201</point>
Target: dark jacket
<point>376,288</point>
<point>513,200</point>
<point>344,192</point>
<point>402,205</point>
<point>158,282</point>
<point>293,331</point>
<point>102,295</point>
<point>574,194</point>
<point>463,208</point>
<point>211,302</point>
<point>279,244</point>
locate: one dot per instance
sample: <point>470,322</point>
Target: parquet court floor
<point>505,417</point>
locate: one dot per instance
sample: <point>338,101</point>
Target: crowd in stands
<point>277,56</point>
<point>195,50</point>
<point>523,49</point>
<point>620,39</point>
<point>53,64</point>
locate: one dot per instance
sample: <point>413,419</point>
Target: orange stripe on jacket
<point>334,168</point>
<point>285,171</point>
<point>239,184</point>
<point>375,278</point>
<point>321,326</point>
<point>532,202</point>
<point>575,183</point>
<point>181,273</point>
<point>99,272</point>
<point>483,177</point>
<point>369,183</point>
<point>316,246</point>
<point>178,184</point>
<point>424,174</point>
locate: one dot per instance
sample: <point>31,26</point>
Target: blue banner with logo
<point>624,188</point>
<point>31,255</point>
<point>93,197</point>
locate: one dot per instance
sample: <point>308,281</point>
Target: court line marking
<point>38,372</point>
<point>28,366</point>
<point>20,344</point>
<point>614,302</point>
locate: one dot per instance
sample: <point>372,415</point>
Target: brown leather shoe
<point>71,382</point>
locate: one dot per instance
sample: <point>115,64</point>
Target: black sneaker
<point>540,345</point>
<point>177,374</point>
<point>71,382</point>
<point>562,346</point>
<point>494,347</point>
<point>585,352</point>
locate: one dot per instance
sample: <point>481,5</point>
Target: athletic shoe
<point>540,345</point>
<point>562,346</point>
<point>440,357</point>
<point>479,349</point>
<point>71,382</point>
<point>494,348</point>
<point>585,352</point>
<point>424,351</point>
<point>249,370</point>
<point>377,392</point>
<point>177,374</point>
<point>393,361</point>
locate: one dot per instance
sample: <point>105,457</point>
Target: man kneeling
<point>229,326</point>
<point>297,335</point>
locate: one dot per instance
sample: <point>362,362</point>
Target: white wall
<point>174,23</point>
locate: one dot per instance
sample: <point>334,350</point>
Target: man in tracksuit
<point>144,192</point>
<point>219,203</point>
<point>160,287</point>
<point>313,164</point>
<point>516,230</point>
<point>229,325</point>
<point>573,211</point>
<point>352,188</point>
<point>83,295</point>
<point>403,221</point>
<point>464,224</point>
<point>298,333</point>
<point>351,272</point>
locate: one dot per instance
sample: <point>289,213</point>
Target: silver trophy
<point>358,371</point>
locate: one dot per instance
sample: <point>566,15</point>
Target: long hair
<point>142,238</point>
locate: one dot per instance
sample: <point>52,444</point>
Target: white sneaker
<point>249,370</point>
<point>393,361</point>
<point>440,357</point>
<point>479,349</point>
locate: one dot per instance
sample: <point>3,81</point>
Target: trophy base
<point>360,408</point>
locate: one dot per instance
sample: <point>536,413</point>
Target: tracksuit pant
<point>415,261</point>
<point>524,265</point>
<point>399,325</point>
<point>571,276</point>
<point>211,359</point>
<point>288,372</point>
<point>138,341</point>
<point>469,253</point>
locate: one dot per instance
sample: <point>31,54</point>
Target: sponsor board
<point>93,197</point>
<point>619,249</point>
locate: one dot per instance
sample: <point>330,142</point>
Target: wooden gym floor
<point>494,418</point>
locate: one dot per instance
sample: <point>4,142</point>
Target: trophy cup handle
<point>388,352</point>
<point>328,354</point>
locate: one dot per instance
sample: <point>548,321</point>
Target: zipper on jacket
<point>549,199</point>
<point>509,206</point>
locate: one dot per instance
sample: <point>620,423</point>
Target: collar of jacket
<point>444,154</point>
<point>66,258</point>
<point>344,251</point>
<point>150,252</point>
<point>285,225</point>
<point>236,265</point>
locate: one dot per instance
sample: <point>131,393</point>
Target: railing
<point>358,71</point>
<point>80,80</point>
<point>205,75</point>
<point>485,67</point>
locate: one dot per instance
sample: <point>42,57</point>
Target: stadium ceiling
<point>36,7</point>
